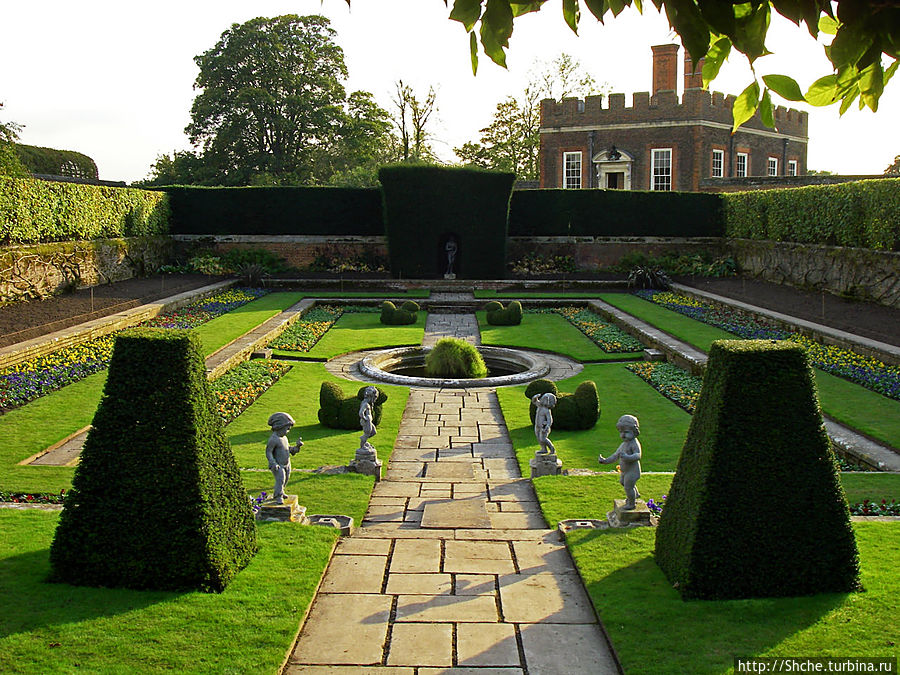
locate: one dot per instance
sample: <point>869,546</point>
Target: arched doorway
<point>613,169</point>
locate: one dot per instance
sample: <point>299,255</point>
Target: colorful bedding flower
<point>238,388</point>
<point>609,337</point>
<point>671,381</point>
<point>304,333</point>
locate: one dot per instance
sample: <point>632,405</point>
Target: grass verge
<point>220,331</point>
<point>362,330</point>
<point>57,628</point>
<point>546,331</point>
<point>663,424</point>
<point>846,402</point>
<point>654,631</point>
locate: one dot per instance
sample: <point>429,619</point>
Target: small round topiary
<point>410,306</point>
<point>493,306</point>
<point>573,412</point>
<point>452,357</point>
<point>394,316</point>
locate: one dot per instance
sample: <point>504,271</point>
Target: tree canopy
<point>272,108</point>
<point>10,165</point>
<point>863,53</point>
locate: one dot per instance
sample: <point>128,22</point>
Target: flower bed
<point>32,497</point>
<point>609,337</point>
<point>236,389</point>
<point>865,371</point>
<point>671,381</point>
<point>882,508</point>
<point>308,330</point>
<point>39,376</point>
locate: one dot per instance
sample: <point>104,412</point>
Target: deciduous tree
<point>411,116</point>
<point>893,169</point>
<point>10,165</point>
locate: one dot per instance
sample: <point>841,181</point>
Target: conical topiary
<point>157,501</point>
<point>756,508</point>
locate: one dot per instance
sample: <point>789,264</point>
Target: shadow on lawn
<point>29,602</point>
<point>648,621</point>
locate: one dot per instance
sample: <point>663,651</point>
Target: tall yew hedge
<point>864,214</point>
<point>424,206</point>
<point>756,508</point>
<point>34,211</point>
<point>157,501</point>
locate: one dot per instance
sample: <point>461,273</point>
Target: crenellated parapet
<point>694,105</point>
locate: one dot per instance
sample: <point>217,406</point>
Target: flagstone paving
<point>482,586</point>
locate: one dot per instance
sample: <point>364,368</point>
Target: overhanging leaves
<point>496,27</point>
<point>786,87</point>
<point>745,105</point>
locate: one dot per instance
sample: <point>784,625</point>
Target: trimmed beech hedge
<point>614,213</point>
<point>756,508</point>
<point>276,210</point>
<point>864,214</point>
<point>34,211</point>
<point>425,206</point>
<point>57,162</point>
<point>157,501</point>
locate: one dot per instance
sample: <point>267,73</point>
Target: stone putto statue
<point>367,420</point>
<point>543,422</point>
<point>279,451</point>
<point>629,457</point>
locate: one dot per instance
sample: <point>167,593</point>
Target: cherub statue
<point>279,452</point>
<point>628,456</point>
<point>543,421</point>
<point>367,418</point>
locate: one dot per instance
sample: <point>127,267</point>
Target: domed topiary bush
<point>756,508</point>
<point>337,411</point>
<point>399,316</point>
<point>573,412</point>
<point>454,358</point>
<point>157,500</point>
<point>498,316</point>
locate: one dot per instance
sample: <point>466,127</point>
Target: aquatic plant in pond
<point>671,381</point>
<point>31,379</point>
<point>609,337</point>
<point>863,370</point>
<point>238,388</point>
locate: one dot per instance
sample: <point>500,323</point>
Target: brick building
<point>661,142</point>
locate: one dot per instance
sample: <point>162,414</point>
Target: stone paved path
<point>453,569</point>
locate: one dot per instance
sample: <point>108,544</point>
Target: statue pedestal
<point>449,277</point>
<point>639,516</point>
<point>366,462</point>
<point>545,465</point>
<point>289,512</point>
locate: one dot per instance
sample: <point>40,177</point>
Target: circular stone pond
<point>405,366</point>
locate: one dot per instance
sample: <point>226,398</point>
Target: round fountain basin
<point>506,367</point>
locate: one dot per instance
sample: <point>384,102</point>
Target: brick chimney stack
<point>665,68</point>
<point>692,80</point>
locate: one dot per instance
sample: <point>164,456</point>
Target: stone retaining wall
<point>41,270</point>
<point>592,253</point>
<point>858,273</point>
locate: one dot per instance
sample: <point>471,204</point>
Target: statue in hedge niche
<point>629,457</point>
<point>279,451</point>
<point>451,247</point>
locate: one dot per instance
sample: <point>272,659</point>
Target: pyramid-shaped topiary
<point>157,501</point>
<point>756,508</point>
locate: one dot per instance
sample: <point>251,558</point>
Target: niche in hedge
<point>399,316</point>
<point>337,411</point>
<point>424,206</point>
<point>498,315</point>
<point>157,500</point>
<point>576,411</point>
<point>756,508</point>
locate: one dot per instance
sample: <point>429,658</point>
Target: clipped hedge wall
<point>614,213</point>
<point>157,501</point>
<point>864,214</point>
<point>57,162</point>
<point>425,206</point>
<point>572,412</point>
<point>756,508</point>
<point>337,411</point>
<point>276,210</point>
<point>34,211</point>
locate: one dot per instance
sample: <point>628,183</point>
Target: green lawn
<point>663,424</point>
<point>654,631</point>
<point>35,426</point>
<point>846,402</point>
<point>491,294</point>
<point>363,330</point>
<point>57,628</point>
<point>550,332</point>
<point>387,295</point>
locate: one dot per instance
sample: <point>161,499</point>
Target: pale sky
<point>114,79</point>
